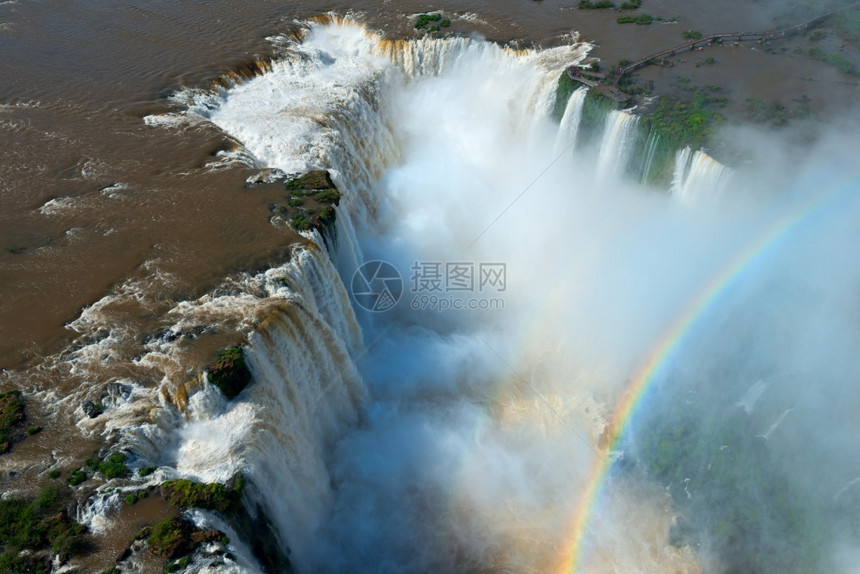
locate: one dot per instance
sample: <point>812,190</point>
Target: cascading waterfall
<point>682,169</point>
<point>697,174</point>
<point>651,149</point>
<point>347,486</point>
<point>357,136</point>
<point>569,125</point>
<point>617,142</point>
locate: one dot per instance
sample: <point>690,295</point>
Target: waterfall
<point>427,140</point>
<point>698,175</point>
<point>617,142</point>
<point>569,125</point>
<point>651,149</point>
<point>682,168</point>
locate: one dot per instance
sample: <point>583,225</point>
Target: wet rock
<point>271,175</point>
<point>124,555</point>
<point>92,409</point>
<point>229,372</point>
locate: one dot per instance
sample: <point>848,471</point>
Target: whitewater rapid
<point>426,438</point>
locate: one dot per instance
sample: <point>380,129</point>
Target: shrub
<point>146,471</point>
<point>835,59</point>
<point>34,430</point>
<point>300,222</point>
<point>691,35</point>
<point>113,466</point>
<point>77,477</point>
<point>599,5</point>
<point>424,20</point>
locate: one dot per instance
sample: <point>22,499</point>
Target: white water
<point>698,176</point>
<point>441,135</point>
<point>569,126</point>
<point>617,143</point>
<point>442,440</point>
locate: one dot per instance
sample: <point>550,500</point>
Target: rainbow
<point>657,361</point>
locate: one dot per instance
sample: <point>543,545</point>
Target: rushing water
<point>430,439</point>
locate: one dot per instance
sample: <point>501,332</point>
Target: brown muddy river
<point>94,201</point>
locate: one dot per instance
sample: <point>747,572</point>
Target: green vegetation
<point>431,22</point>
<point>77,477</point>
<point>591,122</point>
<point>176,538</point>
<point>846,25</point>
<point>835,59</point>
<point>178,565</point>
<point>54,474</point>
<point>642,19</point>
<point>146,471</point>
<point>11,416</point>
<point>34,430</point>
<point>631,4</point>
<point>740,499</point>
<point>131,498</point>
<point>817,36</point>
<point>424,20</point>
<point>775,112</point>
<point>113,466</point>
<point>212,496</point>
<point>566,86</point>
<point>599,5</point>
<point>682,123</point>
<point>311,201</point>
<point>675,123</point>
<point>15,564</point>
<point>170,538</point>
<point>691,35</point>
<point>39,524</point>
<point>229,372</point>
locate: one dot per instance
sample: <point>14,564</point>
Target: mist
<point>482,427</point>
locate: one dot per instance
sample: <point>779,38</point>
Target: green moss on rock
<point>229,372</point>
<point>313,180</point>
<point>11,416</point>
<point>175,539</point>
<point>38,524</point>
<point>184,493</point>
<point>171,538</point>
<point>311,202</point>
